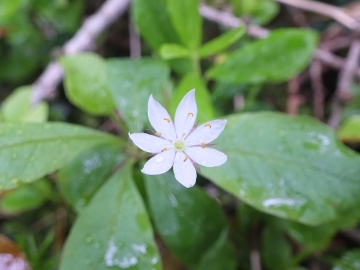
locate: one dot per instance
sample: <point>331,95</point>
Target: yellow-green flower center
<point>179,145</point>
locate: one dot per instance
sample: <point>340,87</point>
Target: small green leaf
<point>131,83</point>
<point>153,22</point>
<point>83,176</point>
<point>17,107</point>
<point>113,231</point>
<point>26,197</point>
<point>188,220</point>
<point>349,261</point>
<point>185,18</point>
<point>173,51</point>
<point>350,129</point>
<point>203,100</point>
<point>280,56</point>
<point>221,255</point>
<point>222,42</point>
<point>86,85</point>
<point>291,167</point>
<point>30,151</point>
<point>276,250</point>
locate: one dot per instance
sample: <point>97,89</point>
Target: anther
<point>190,113</point>
<point>185,159</point>
<point>203,145</point>
<point>167,119</point>
<point>164,149</point>
<point>207,125</point>
<point>158,134</point>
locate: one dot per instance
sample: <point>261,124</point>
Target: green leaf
<point>82,177</point>
<point>186,20</point>
<point>291,167</point>
<point>222,42</point>
<point>30,151</point>
<point>173,51</point>
<point>188,220</point>
<point>26,197</point>
<point>220,256</point>
<point>153,22</point>
<point>280,56</point>
<point>17,107</point>
<point>203,100</point>
<point>276,250</point>
<point>113,231</point>
<point>85,83</point>
<point>350,129</point>
<point>349,261</point>
<point>131,83</point>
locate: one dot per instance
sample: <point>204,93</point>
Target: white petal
<point>149,143</point>
<point>207,157</point>
<point>185,115</point>
<point>206,133</point>
<point>184,170</point>
<point>159,163</point>
<point>160,119</point>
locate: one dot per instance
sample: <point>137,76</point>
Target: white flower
<point>179,144</point>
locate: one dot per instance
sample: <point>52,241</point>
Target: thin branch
<point>325,9</point>
<point>135,41</point>
<point>294,98</point>
<point>342,93</point>
<point>227,19</point>
<point>315,71</point>
<point>48,81</point>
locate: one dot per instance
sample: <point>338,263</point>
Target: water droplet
<point>89,239</point>
<point>159,159</point>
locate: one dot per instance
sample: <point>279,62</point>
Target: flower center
<point>179,145</point>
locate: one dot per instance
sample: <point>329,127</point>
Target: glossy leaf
<point>82,177</point>
<point>153,22</point>
<point>131,83</point>
<point>222,42</point>
<point>203,100</point>
<point>113,231</point>
<point>188,220</point>
<point>186,20</point>
<point>85,83</point>
<point>17,107</point>
<point>292,167</point>
<point>26,197</point>
<point>349,261</point>
<point>173,51</point>
<point>30,151</point>
<point>280,56</point>
<point>350,129</point>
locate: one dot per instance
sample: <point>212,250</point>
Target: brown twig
<point>48,81</point>
<point>325,9</point>
<point>294,99</point>
<point>315,71</point>
<point>135,42</point>
<point>342,93</point>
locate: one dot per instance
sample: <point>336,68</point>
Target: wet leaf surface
<point>188,220</point>
<point>113,231</point>
<point>30,151</point>
<point>292,167</point>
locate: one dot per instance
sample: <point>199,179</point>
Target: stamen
<point>203,145</point>
<point>185,159</point>
<point>158,134</point>
<point>164,149</point>
<point>207,125</point>
<point>167,119</point>
<point>190,113</point>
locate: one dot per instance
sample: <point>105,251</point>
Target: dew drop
<point>159,159</point>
